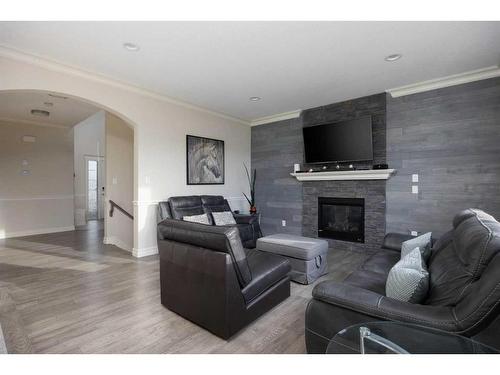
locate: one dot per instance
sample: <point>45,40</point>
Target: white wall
<point>42,200</point>
<point>159,139</point>
<point>89,140</point>
<point>119,229</point>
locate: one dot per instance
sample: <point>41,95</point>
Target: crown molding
<point>17,55</point>
<point>31,122</point>
<point>274,118</point>
<point>438,83</point>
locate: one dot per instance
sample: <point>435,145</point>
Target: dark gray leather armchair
<point>209,278</point>
<point>464,294</point>
<point>178,207</point>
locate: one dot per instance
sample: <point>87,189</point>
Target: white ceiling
<point>17,105</point>
<point>291,65</point>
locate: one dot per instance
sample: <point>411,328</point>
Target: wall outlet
<point>414,233</point>
<point>283,223</point>
<point>414,189</point>
<point>414,178</point>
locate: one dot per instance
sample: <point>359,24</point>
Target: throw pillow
<point>408,279</point>
<point>200,219</point>
<point>223,218</point>
<point>423,242</point>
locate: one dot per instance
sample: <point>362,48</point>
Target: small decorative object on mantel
<point>205,161</point>
<point>251,183</point>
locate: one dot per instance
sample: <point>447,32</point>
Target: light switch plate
<point>414,233</point>
<point>283,223</point>
<point>414,189</point>
<point>115,180</point>
<point>414,178</point>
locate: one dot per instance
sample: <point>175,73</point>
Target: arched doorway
<point>116,152</point>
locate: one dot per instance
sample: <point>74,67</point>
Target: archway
<point>117,120</point>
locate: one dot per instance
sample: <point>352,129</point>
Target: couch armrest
<point>373,304</point>
<point>245,219</point>
<point>393,241</point>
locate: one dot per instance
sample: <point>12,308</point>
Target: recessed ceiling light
<point>254,98</point>
<point>393,57</point>
<point>40,113</point>
<point>131,47</point>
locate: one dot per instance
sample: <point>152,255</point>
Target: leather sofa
<point>209,278</point>
<point>178,207</point>
<point>463,298</point>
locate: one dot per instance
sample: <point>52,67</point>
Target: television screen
<point>338,142</point>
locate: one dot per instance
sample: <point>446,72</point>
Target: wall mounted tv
<point>345,141</point>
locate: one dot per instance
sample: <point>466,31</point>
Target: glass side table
<point>402,338</point>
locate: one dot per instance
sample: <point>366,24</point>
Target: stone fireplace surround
<point>372,191</point>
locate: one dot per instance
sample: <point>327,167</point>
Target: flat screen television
<point>345,141</point>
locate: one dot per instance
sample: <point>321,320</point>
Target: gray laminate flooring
<point>68,293</point>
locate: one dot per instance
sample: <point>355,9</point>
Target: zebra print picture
<point>205,161</point>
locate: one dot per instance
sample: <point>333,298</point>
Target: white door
<point>94,183</point>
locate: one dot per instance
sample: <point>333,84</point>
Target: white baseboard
<point>111,240</point>
<point>144,252</point>
<point>35,232</point>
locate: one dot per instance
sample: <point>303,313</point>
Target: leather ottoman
<point>307,256</point>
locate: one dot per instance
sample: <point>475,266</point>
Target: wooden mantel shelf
<point>371,174</point>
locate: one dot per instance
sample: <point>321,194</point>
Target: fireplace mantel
<point>371,174</point>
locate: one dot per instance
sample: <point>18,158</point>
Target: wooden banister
<point>112,208</point>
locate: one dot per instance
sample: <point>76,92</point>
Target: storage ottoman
<point>307,256</point>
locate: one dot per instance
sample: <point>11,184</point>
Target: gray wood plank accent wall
<point>275,148</point>
<point>451,138</point>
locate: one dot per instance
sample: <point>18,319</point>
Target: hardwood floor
<point>68,293</point>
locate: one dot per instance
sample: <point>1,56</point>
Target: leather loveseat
<point>209,278</point>
<point>178,207</point>
<point>463,298</point>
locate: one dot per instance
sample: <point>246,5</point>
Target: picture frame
<point>205,161</point>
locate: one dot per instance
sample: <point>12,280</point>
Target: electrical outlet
<point>414,189</point>
<point>414,178</point>
<point>414,233</point>
<point>283,223</point>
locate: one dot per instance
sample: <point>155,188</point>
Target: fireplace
<point>342,219</point>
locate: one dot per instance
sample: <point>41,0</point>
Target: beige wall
<point>160,135</point>
<point>89,140</point>
<point>119,229</point>
<point>41,200</point>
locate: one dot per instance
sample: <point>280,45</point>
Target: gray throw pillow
<point>408,279</point>
<point>423,242</point>
<point>223,218</point>
<point>200,219</point>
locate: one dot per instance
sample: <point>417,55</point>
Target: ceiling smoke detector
<point>40,113</point>
<point>254,98</point>
<point>131,47</point>
<point>393,57</point>
<point>58,96</point>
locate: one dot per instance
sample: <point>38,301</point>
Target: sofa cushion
<point>214,203</point>
<point>408,280</point>
<point>372,281</point>
<point>185,206</point>
<point>423,242</point>
<point>459,263</point>
<point>223,239</point>
<point>223,218</point>
<point>200,219</point>
<point>267,269</point>
<point>381,262</point>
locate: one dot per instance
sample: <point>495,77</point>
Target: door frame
<point>100,161</point>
